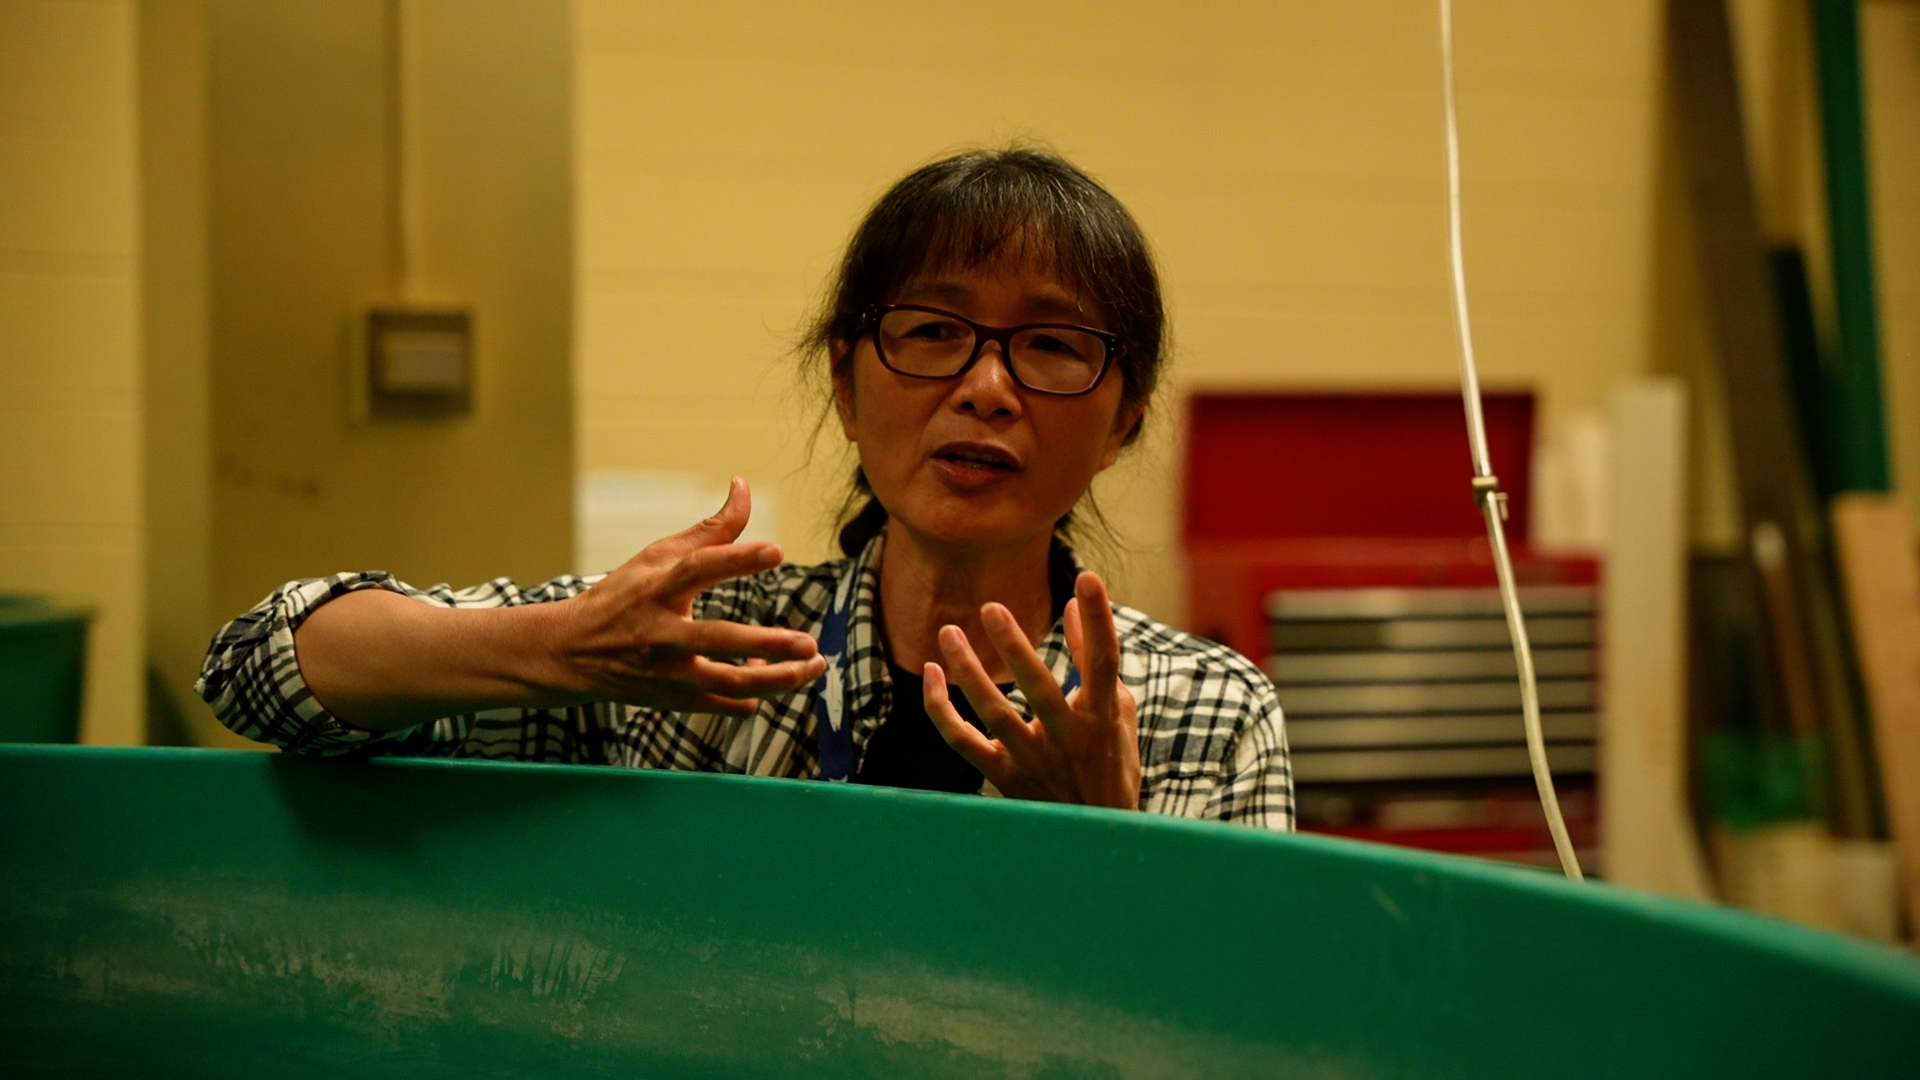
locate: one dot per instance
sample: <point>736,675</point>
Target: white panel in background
<point>1648,832</point>
<point>1571,487</point>
<point>618,512</point>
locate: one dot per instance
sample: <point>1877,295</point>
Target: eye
<point>909,327</point>
<point>1053,344</point>
<point>932,330</point>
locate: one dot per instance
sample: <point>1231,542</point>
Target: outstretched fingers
<point>701,570</point>
<point>987,755</point>
<point>738,641</point>
<point>724,527</point>
<point>1002,720</point>
<point>1097,648</point>
<point>1030,672</point>
<point>1071,623</point>
<point>752,680</point>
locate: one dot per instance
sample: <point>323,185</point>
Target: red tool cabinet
<point>1333,539</point>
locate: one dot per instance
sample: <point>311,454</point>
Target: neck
<point>925,586</point>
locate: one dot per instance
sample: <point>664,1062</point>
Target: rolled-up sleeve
<point>251,676</point>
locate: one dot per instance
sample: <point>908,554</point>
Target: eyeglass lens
<point>1052,359</point>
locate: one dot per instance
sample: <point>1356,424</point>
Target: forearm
<point>381,661</point>
<point>321,663</point>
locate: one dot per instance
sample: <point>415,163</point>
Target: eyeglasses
<point>1048,358</point>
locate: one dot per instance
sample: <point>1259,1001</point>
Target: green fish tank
<point>199,913</point>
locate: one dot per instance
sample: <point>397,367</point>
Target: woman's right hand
<point>632,637</point>
<point>381,661</point>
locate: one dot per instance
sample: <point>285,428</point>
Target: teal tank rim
<point>1888,968</point>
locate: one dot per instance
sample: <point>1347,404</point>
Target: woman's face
<point>979,460</point>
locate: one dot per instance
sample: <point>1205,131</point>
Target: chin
<point>966,523</point>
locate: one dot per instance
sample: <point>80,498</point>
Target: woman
<point>992,343</point>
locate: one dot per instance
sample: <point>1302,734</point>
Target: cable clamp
<point>1488,487</point>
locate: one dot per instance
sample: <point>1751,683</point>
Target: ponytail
<point>863,527</point>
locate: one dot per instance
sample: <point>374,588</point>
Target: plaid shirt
<point>1211,738</point>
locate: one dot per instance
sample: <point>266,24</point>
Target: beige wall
<point>1285,158</point>
<point>301,241</point>
<point>178,403</point>
<point>70,510</point>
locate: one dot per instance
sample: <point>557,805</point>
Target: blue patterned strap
<point>831,701</point>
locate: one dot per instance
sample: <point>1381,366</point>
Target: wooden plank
<point>1878,564</point>
<point>1776,491</point>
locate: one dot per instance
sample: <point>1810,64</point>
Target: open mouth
<point>977,456</point>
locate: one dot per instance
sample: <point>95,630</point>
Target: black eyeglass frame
<point>982,334</point>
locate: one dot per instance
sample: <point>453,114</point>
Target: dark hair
<point>982,207</point>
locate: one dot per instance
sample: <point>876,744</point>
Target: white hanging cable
<point>1486,487</point>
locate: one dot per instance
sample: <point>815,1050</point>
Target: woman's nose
<point>987,388</point>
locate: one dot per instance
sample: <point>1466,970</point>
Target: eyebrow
<point>1048,305</point>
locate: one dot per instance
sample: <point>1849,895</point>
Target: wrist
<point>535,638</point>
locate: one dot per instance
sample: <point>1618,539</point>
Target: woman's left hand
<point>1083,748</point>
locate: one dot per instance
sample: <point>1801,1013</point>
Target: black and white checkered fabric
<point>1212,743</point>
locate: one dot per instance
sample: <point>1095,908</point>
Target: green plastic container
<point>43,660</point>
<point>222,914</point>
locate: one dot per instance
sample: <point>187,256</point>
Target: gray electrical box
<point>419,363</point>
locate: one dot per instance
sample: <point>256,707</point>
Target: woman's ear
<point>840,362</point>
<point>1125,423</point>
